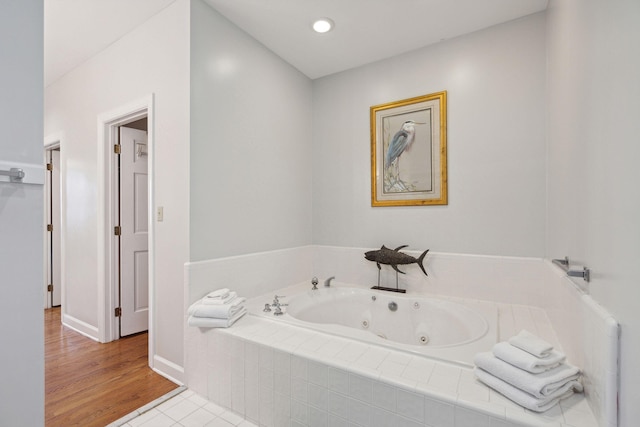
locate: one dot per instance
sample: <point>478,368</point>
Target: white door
<point>53,221</point>
<point>134,251</point>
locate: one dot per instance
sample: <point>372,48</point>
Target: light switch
<point>160,213</point>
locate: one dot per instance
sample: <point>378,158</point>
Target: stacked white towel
<point>218,309</point>
<point>527,370</point>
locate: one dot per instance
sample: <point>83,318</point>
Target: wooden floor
<point>93,384</point>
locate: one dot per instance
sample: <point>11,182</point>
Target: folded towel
<point>218,311</point>
<point>539,385</point>
<point>530,343</point>
<point>525,399</point>
<point>527,361</point>
<point>230,296</point>
<point>219,293</point>
<point>207,322</point>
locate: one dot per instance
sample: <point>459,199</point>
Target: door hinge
<point>117,230</point>
<point>118,312</point>
<point>50,288</point>
<point>49,166</point>
<point>49,227</point>
<point>116,148</point>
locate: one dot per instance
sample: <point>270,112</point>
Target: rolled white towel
<point>218,293</point>
<point>230,296</point>
<point>530,343</point>
<point>527,361</point>
<point>218,311</point>
<point>208,322</point>
<point>539,385</point>
<point>525,399</point>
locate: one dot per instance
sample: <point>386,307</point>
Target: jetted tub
<point>450,329</point>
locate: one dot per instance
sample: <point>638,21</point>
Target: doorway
<point>132,227</point>
<point>53,242</point>
<point>109,303</point>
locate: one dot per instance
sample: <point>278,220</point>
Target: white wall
<point>594,203</point>
<point>496,146</point>
<point>21,215</point>
<point>250,143</point>
<point>152,59</point>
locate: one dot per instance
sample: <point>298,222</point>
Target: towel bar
<point>585,273</point>
<point>14,174</point>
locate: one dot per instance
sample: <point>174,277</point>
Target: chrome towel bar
<point>14,174</point>
<point>585,273</point>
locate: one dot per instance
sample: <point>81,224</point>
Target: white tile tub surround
<point>509,280</point>
<point>250,275</point>
<point>522,286</point>
<point>296,384</point>
<point>589,335</point>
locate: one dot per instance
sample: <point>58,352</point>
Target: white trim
<point>45,235</point>
<point>51,142</point>
<point>168,369</point>
<point>107,291</point>
<point>80,327</point>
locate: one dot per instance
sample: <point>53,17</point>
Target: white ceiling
<point>76,30</point>
<point>365,30</point>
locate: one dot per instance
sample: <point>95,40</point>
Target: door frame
<point>108,124</point>
<point>53,142</point>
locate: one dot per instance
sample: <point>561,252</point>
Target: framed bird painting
<point>409,152</point>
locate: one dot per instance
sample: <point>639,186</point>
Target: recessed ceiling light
<point>323,25</point>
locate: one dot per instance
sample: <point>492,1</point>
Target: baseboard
<point>168,369</point>
<point>80,327</point>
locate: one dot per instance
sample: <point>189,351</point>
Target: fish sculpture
<point>394,257</point>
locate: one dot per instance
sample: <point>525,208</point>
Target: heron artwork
<point>400,142</point>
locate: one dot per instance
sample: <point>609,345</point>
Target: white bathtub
<point>447,329</point>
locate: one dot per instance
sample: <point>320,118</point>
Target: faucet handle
<point>276,300</point>
<point>314,282</point>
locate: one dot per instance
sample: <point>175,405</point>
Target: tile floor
<point>184,409</point>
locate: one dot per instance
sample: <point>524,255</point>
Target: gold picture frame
<point>409,152</point>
